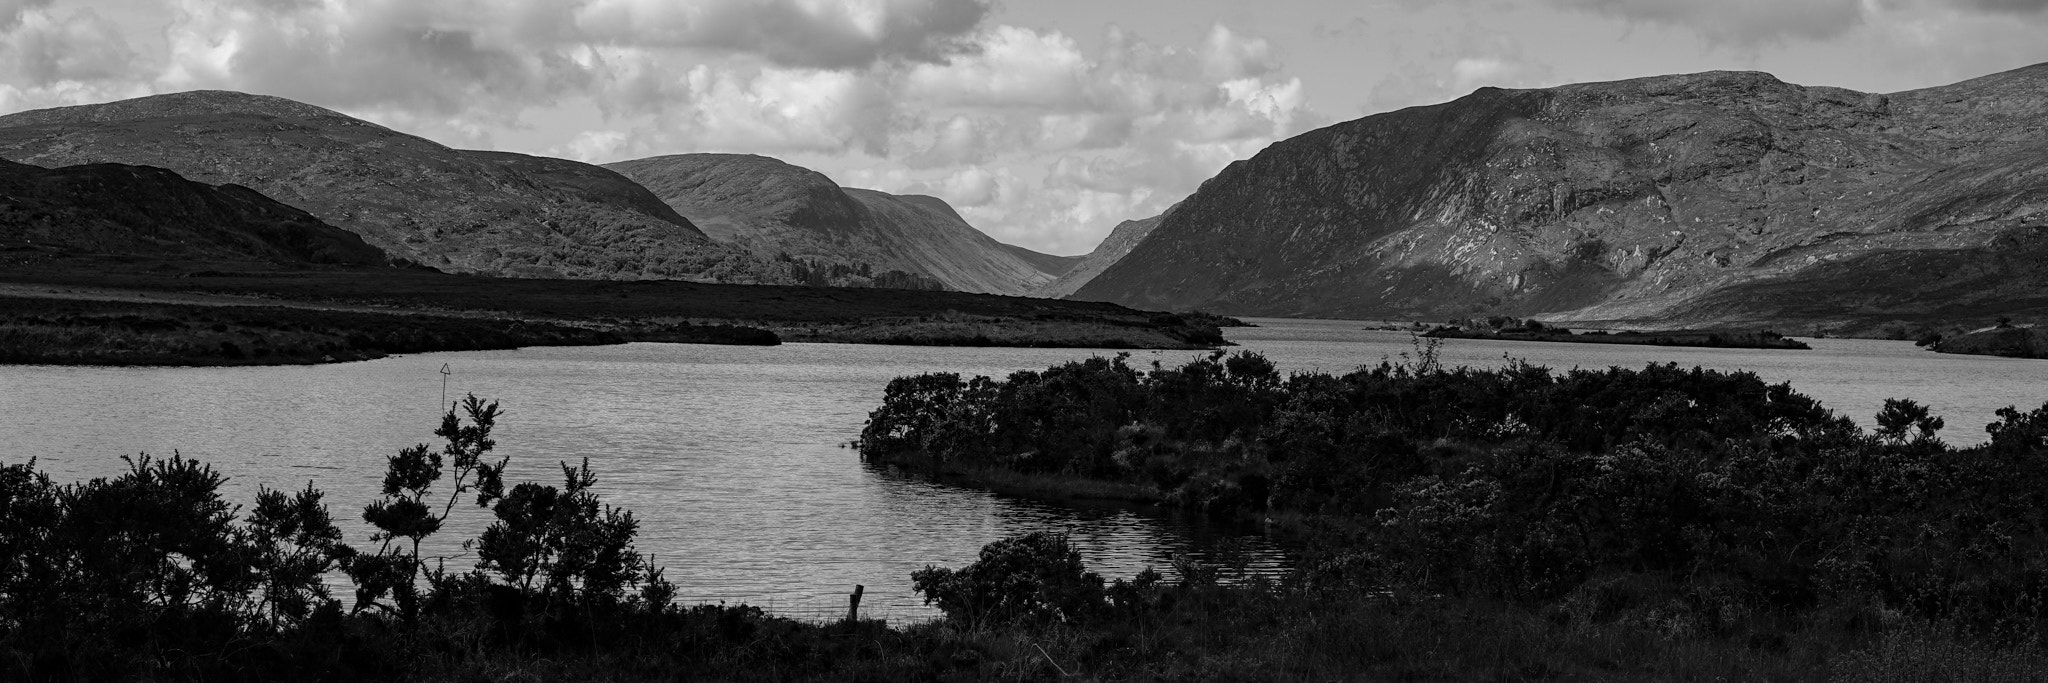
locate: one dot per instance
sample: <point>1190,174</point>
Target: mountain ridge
<point>1634,201</point>
<point>480,212</point>
<point>772,207</point>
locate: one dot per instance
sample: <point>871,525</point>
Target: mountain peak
<point>1649,199</point>
<point>176,105</point>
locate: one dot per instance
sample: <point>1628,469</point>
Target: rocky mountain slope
<point>774,208</point>
<point>144,211</point>
<point>1121,240</point>
<point>455,210</point>
<point>1712,198</point>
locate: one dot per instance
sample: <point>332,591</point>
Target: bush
<point>1035,577</point>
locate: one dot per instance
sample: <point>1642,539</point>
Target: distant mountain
<point>1120,242</point>
<point>460,211</point>
<point>139,210</point>
<point>1713,198</point>
<point>775,208</point>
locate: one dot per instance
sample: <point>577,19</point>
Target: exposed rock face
<point>1707,198</point>
<point>1113,248</point>
<point>460,211</point>
<point>774,208</point>
<point>139,210</point>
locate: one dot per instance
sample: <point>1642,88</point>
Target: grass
<point>68,332</point>
<point>1210,632</point>
<point>849,315</point>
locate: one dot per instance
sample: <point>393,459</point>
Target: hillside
<point>454,210</point>
<point>114,209</point>
<point>1113,248</point>
<point>1702,199</point>
<point>773,208</point>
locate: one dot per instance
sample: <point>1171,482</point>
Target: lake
<point>733,459</point>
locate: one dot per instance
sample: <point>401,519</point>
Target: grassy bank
<point>2003,340</point>
<point>72,332</point>
<point>796,313</point>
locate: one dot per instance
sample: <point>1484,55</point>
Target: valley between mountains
<point>1719,200</point>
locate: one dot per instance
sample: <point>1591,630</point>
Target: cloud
<point>2010,6</point>
<point>1448,70</point>
<point>1737,21</point>
<point>41,48</point>
<point>791,33</point>
<point>1754,22</point>
<point>488,58</point>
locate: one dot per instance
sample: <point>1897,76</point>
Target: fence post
<point>853,604</point>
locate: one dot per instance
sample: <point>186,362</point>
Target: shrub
<point>1034,577</point>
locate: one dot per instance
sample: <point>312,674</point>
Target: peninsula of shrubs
<point>1512,524</point>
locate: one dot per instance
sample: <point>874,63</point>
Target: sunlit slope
<point>1721,197</point>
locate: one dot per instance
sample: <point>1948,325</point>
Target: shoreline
<point>1707,339</point>
<point>310,317</point>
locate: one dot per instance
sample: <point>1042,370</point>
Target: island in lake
<point>1510,329</point>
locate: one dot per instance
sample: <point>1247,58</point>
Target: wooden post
<point>853,604</point>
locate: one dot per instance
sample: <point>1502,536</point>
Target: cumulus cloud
<point>1451,69</point>
<point>1738,21</point>
<point>796,33</point>
<point>1753,22</point>
<point>2011,6</point>
<point>1034,138</point>
<point>482,57</point>
<point>42,48</point>
<point>50,57</point>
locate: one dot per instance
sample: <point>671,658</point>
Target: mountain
<point>1712,198</point>
<point>455,210</point>
<point>1121,240</point>
<point>140,210</point>
<point>775,208</point>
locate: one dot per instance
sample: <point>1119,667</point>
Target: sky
<point>1045,122</point>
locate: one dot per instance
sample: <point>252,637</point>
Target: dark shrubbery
<point>151,574</point>
<point>1033,577</point>
<point>1528,485</point>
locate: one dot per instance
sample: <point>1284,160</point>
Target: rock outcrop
<point>151,212</point>
<point>1712,198</point>
<point>455,210</point>
<point>775,208</point>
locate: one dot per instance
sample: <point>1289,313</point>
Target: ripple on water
<point>731,457</point>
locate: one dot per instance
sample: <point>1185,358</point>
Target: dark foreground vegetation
<point>822,314</point>
<point>1455,525</point>
<point>1510,329</point>
<point>80,332</point>
<point>1728,527</point>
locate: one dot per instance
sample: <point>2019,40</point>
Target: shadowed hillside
<point>139,210</point>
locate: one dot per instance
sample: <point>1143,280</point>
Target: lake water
<point>732,457</point>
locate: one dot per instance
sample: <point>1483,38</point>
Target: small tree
<point>1900,416</point>
<point>563,546</point>
<point>404,517</point>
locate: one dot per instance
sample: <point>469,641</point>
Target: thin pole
<point>445,372</point>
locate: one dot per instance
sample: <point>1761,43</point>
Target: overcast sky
<point>1045,122</point>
